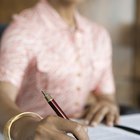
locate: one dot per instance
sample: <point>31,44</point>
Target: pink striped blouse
<point>40,51</point>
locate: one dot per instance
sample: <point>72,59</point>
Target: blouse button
<point>78,88</point>
<point>79,74</point>
<point>77,103</point>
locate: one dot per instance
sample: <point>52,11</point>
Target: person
<point>52,47</point>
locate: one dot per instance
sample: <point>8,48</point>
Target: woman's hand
<point>105,109</point>
<point>50,128</point>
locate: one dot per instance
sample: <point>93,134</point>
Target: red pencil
<point>54,105</point>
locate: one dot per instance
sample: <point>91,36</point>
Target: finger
<point>84,113</point>
<point>90,114</point>
<point>99,116</point>
<point>60,136</point>
<point>42,133</point>
<point>55,136</point>
<point>117,118</point>
<point>70,137</point>
<point>68,126</point>
<point>36,137</point>
<point>79,131</point>
<point>110,118</point>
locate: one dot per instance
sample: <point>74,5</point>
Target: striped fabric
<point>40,51</point>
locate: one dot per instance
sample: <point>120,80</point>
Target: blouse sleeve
<point>106,83</point>
<point>14,54</point>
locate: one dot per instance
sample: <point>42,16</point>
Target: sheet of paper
<point>1,137</point>
<point>109,133</point>
<point>132,121</point>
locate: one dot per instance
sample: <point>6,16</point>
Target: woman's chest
<point>65,53</point>
<point>67,58</point>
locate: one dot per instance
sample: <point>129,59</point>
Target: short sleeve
<point>106,83</point>
<point>14,54</point>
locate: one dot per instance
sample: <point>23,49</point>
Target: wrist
<point>106,98</point>
<point>21,124</point>
<point>24,128</point>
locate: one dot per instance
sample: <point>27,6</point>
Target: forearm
<point>8,108</point>
<point>105,97</point>
<point>94,98</point>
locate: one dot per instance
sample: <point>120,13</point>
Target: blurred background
<point>122,19</point>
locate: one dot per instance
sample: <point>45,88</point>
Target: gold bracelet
<point>7,128</point>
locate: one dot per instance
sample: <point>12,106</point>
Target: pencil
<point>54,105</point>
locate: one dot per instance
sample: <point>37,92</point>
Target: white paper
<point>110,133</point>
<point>132,121</point>
<point>1,137</point>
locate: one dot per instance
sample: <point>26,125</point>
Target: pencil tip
<point>43,92</point>
<point>46,95</point>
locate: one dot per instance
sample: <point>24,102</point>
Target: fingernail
<point>117,122</point>
<point>110,124</point>
<point>86,129</point>
<point>72,138</point>
<point>86,122</point>
<point>94,124</point>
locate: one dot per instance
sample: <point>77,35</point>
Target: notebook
<point>103,132</point>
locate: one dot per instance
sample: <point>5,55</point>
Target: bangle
<point>8,125</point>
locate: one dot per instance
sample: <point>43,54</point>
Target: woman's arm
<point>103,107</point>
<point>8,108</point>
<point>29,128</point>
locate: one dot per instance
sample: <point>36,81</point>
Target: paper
<point>132,121</point>
<point>110,133</point>
<point>1,137</point>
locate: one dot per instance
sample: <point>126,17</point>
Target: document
<point>110,133</point>
<point>103,132</point>
<point>132,121</point>
<point>1,137</point>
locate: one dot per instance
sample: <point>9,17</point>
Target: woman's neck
<point>65,10</point>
